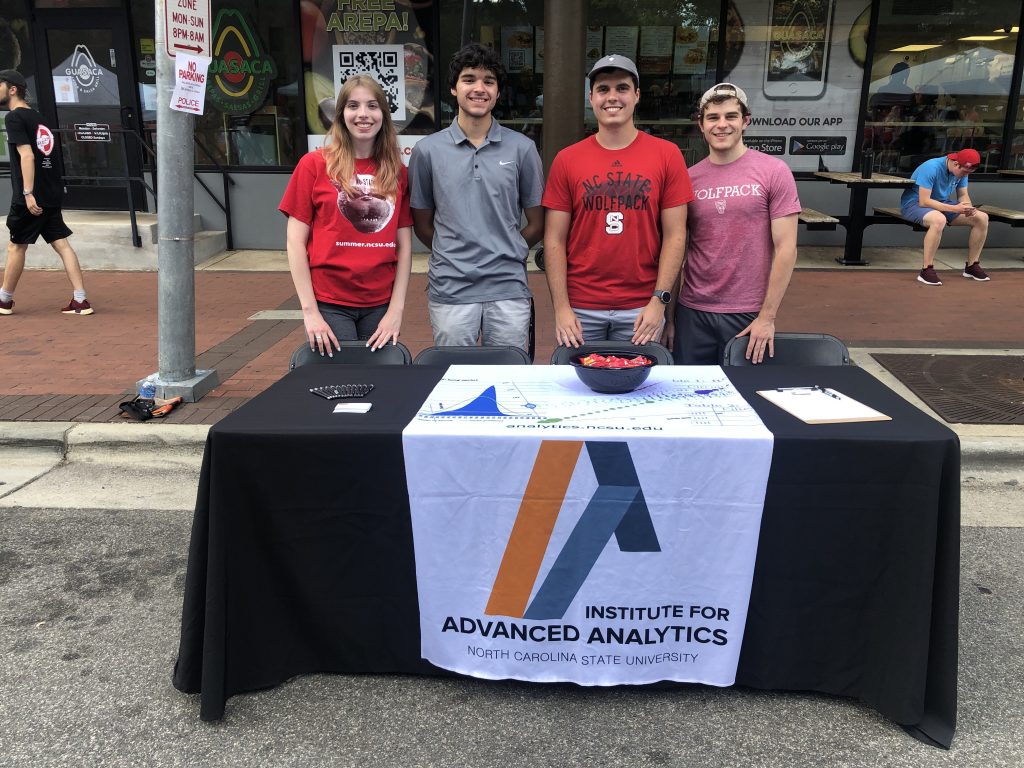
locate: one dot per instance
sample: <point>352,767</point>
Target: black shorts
<point>26,228</point>
<point>701,336</point>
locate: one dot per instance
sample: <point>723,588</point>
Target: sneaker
<point>975,272</point>
<point>928,276</point>
<point>7,307</point>
<point>77,308</point>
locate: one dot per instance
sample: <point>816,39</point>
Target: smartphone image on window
<point>796,55</point>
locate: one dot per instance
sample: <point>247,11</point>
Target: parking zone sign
<point>188,27</point>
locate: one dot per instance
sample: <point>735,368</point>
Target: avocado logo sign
<point>240,72</point>
<point>84,69</point>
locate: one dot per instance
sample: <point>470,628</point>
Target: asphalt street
<point>90,602</point>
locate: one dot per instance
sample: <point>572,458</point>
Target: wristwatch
<point>664,296</point>
<point>27,192</point>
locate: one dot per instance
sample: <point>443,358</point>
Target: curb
<point>976,452</point>
<point>66,437</point>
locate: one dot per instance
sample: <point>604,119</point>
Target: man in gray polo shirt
<point>470,185</point>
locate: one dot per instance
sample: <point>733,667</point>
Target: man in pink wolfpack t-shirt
<point>741,239</point>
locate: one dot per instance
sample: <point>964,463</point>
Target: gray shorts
<point>352,323</point>
<point>503,323</point>
<point>607,324</point>
<point>701,336</point>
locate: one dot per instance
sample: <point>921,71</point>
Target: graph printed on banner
<point>671,401</point>
<point>384,63</point>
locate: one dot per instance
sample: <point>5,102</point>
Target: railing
<point>226,183</point>
<point>125,179</point>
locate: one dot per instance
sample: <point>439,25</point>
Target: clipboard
<point>821,405</point>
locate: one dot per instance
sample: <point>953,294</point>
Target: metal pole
<point>565,29</point>
<point>176,295</point>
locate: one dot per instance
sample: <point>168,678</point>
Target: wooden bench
<point>817,220</point>
<point>896,214</point>
<point>1005,215</point>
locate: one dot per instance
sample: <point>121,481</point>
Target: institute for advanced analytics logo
<point>617,508</point>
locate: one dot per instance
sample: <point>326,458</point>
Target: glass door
<point>94,99</point>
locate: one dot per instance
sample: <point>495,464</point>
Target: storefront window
<point>388,39</point>
<point>675,47</point>
<point>515,30</point>
<point>940,84</point>
<point>253,116</point>
<point>801,64</point>
<point>1016,160</point>
<point>15,53</point>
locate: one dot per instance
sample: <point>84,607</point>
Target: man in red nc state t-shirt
<point>615,220</point>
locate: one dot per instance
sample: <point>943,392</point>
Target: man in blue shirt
<point>939,197</point>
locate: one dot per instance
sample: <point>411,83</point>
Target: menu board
<point>621,40</point>
<point>655,50</point>
<point>691,51</point>
<point>594,46</point>
<point>517,48</point>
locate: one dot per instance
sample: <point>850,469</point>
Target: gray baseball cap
<point>615,61</point>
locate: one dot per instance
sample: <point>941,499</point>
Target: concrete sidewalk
<point>61,373</point>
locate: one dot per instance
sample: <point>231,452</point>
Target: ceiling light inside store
<point>1011,30</point>
<point>982,38</point>
<point>913,48</point>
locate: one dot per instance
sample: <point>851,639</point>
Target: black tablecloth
<point>301,557</point>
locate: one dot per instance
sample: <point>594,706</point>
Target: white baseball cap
<point>728,90</point>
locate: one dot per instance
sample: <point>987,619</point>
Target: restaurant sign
<point>241,69</point>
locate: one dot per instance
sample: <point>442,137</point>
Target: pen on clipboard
<point>815,388</point>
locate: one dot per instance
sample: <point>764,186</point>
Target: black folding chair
<point>472,356</point>
<point>660,355</point>
<point>353,353</point>
<point>792,349</point>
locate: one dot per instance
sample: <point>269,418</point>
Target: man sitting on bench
<point>939,197</point>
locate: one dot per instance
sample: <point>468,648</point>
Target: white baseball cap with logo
<point>725,90</point>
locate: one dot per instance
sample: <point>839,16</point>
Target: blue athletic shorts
<point>916,213</point>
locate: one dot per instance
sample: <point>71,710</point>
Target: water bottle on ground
<point>147,387</point>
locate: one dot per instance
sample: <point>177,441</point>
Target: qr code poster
<point>384,63</point>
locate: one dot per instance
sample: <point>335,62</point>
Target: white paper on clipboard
<point>821,405</point>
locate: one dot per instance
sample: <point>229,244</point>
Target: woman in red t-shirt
<point>349,225</point>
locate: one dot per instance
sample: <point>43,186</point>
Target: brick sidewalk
<point>58,368</point>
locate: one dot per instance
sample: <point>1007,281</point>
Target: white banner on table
<point>565,536</point>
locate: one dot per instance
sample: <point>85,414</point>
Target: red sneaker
<point>7,307</point>
<point>77,308</point>
<point>975,272</point>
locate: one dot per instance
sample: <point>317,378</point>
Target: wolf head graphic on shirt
<point>368,211</point>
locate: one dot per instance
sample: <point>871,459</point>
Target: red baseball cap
<point>968,158</point>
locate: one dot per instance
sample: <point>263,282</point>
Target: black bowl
<point>612,381</point>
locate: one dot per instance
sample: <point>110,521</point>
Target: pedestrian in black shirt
<point>38,189</point>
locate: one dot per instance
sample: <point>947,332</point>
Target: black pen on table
<point>815,388</point>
